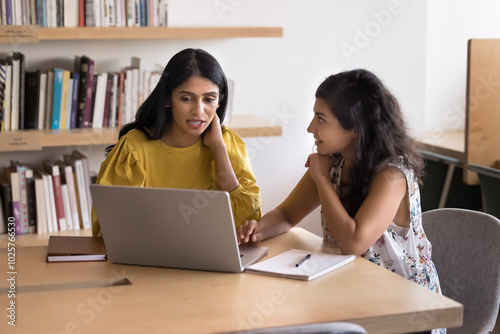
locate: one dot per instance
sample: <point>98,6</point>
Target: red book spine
<point>81,13</point>
<point>56,181</point>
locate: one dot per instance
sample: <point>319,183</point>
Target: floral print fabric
<point>403,250</point>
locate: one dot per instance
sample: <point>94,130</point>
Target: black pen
<point>307,257</point>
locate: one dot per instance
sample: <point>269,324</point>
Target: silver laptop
<point>174,228</point>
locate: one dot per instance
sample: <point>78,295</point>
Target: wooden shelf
<point>26,240</point>
<point>35,140</point>
<point>33,34</point>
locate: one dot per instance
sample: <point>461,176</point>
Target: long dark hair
<point>153,116</point>
<point>360,101</point>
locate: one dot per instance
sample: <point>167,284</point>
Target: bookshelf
<point>35,140</point>
<point>34,34</point>
<point>26,240</point>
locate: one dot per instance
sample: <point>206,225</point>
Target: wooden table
<point>444,147</point>
<point>88,298</point>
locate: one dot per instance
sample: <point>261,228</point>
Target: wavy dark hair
<point>153,117</point>
<point>360,101</point>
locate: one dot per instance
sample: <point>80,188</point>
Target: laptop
<point>173,228</point>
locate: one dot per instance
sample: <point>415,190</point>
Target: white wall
<point>450,26</point>
<point>275,78</point>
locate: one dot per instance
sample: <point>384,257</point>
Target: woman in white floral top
<point>365,177</point>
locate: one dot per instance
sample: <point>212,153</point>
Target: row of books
<point>53,197</point>
<point>66,99</point>
<point>84,13</point>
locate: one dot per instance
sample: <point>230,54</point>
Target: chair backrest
<point>466,252</point>
<point>489,179</point>
<point>316,328</point>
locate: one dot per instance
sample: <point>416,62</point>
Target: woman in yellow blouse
<point>177,140</point>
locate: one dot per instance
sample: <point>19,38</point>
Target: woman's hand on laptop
<point>249,232</point>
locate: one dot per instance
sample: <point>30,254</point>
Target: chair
<point>466,252</point>
<point>316,328</point>
<point>489,178</point>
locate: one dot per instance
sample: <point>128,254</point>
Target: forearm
<point>341,225</point>
<point>274,223</point>
<point>226,178</point>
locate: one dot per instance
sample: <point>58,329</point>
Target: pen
<point>307,257</point>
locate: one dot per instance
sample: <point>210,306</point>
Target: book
<point>7,102</point>
<point>81,187</point>
<point>22,78</point>
<point>66,205</point>
<point>49,98</point>
<point>32,105</point>
<point>93,100</point>
<point>67,170</point>
<point>14,116</point>
<point>41,206</point>
<point>81,66</point>
<point>42,100</point>
<point>57,98</point>
<point>3,66</point>
<point>71,15</point>
<point>22,225</point>
<point>86,172</point>
<point>6,195</point>
<point>107,101</point>
<point>63,117</point>
<point>89,89</point>
<point>300,264</point>
<point>74,100</point>
<point>69,103</point>
<point>31,199</point>
<point>113,119</point>
<point>100,100</point>
<point>75,248</point>
<point>53,169</point>
<point>50,206</point>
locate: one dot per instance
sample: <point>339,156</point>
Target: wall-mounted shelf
<point>35,140</point>
<point>34,34</point>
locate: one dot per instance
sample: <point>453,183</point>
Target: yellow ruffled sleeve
<point>245,199</point>
<point>122,167</point>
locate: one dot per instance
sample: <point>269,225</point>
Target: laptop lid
<point>175,228</point>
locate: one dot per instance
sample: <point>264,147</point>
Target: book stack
<point>67,99</point>
<point>53,197</point>
<point>84,13</point>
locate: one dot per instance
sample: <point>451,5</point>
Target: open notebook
<point>175,228</point>
<point>300,264</point>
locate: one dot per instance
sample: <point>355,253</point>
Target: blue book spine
<point>56,101</point>
<point>74,99</point>
<point>44,13</point>
<point>8,10</point>
<point>39,13</point>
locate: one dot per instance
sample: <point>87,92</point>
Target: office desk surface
<point>75,298</point>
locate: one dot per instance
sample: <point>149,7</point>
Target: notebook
<point>300,264</point>
<point>75,248</point>
<point>174,228</point>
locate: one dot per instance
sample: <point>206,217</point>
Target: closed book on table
<point>75,248</point>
